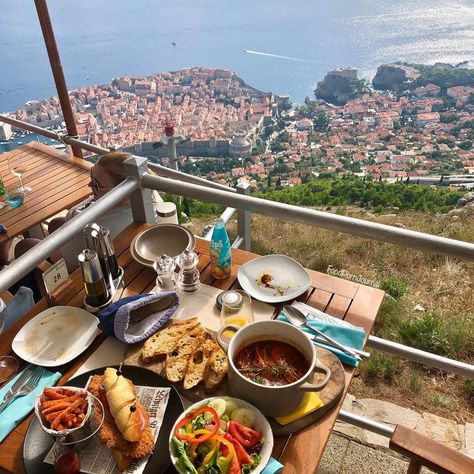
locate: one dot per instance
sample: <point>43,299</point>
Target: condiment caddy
<point>103,277</point>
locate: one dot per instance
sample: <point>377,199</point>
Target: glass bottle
<point>2,187</point>
<point>188,277</point>
<point>95,287</point>
<point>221,257</point>
<point>164,268</point>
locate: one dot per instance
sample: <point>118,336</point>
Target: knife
<point>321,341</point>
<point>18,384</point>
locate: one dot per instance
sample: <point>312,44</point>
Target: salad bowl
<point>233,415</point>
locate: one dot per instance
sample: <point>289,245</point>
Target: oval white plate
<point>56,336</point>
<point>287,274</point>
<point>261,425</point>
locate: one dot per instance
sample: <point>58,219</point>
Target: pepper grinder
<point>164,268</point>
<point>188,276</point>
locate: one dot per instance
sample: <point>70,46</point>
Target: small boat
<point>173,43</point>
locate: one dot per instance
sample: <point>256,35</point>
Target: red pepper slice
<point>187,419</point>
<point>247,437</point>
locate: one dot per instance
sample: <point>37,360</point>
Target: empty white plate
<point>273,278</point>
<point>55,336</point>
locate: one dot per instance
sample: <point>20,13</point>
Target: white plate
<point>288,278</point>
<point>261,425</point>
<point>56,336</point>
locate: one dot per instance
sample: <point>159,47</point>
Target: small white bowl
<point>261,425</point>
<point>66,431</point>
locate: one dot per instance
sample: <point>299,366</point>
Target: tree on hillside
<point>321,121</point>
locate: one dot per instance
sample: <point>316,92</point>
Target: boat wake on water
<point>279,56</point>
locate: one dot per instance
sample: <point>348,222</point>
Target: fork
<point>26,388</point>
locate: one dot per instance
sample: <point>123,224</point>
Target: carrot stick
<point>57,407</point>
<point>52,394</point>
<point>61,415</point>
<point>50,403</point>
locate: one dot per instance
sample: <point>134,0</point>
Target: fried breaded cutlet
<point>111,436</point>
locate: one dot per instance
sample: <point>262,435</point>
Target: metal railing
<point>186,185</point>
<point>159,169</point>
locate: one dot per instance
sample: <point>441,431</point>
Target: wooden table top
<point>58,181</point>
<point>301,452</point>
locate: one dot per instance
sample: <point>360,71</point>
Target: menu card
<point>96,458</point>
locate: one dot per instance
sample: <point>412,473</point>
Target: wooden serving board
<point>329,395</point>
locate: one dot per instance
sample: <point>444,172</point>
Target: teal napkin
<point>20,407</point>
<point>273,467</point>
<point>348,335</point>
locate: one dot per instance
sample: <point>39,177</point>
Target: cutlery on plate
<point>27,382</point>
<point>298,319</point>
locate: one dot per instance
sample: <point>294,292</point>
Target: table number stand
<point>59,287</point>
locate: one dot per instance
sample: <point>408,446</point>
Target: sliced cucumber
<point>230,407</point>
<point>219,406</point>
<point>244,416</point>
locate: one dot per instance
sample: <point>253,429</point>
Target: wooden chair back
<point>423,451</point>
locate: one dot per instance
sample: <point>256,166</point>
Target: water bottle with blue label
<point>221,257</point>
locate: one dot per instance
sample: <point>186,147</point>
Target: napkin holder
<point>116,290</point>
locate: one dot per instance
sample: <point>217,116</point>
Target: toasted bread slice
<point>197,363</point>
<point>215,369</point>
<point>166,340</point>
<point>177,358</point>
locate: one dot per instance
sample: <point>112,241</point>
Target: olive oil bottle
<point>95,285</point>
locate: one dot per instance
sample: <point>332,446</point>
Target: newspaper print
<point>96,458</point>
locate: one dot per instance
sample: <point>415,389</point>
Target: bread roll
<point>127,411</point>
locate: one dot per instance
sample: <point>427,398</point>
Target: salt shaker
<point>164,268</point>
<point>188,277</point>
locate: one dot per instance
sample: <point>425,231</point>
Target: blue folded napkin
<point>348,335</point>
<point>273,467</point>
<point>20,304</point>
<point>20,407</point>
<point>136,318</point>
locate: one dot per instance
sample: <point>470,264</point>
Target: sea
<point>274,45</point>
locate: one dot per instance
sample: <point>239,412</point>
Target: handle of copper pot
<point>307,387</point>
<point>220,333</point>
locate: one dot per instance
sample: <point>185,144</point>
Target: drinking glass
<point>17,166</point>
<point>15,196</point>
<point>236,309</point>
<point>8,365</point>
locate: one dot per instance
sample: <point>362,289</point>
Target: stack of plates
<point>169,239</point>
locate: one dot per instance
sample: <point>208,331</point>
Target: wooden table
<point>58,182</point>
<point>300,453</point>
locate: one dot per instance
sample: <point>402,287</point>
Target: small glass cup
<point>15,196</point>
<point>8,366</point>
<point>236,309</point>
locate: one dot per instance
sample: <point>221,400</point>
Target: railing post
<point>243,218</point>
<point>141,200</point>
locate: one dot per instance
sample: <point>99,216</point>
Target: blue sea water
<point>292,43</point>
